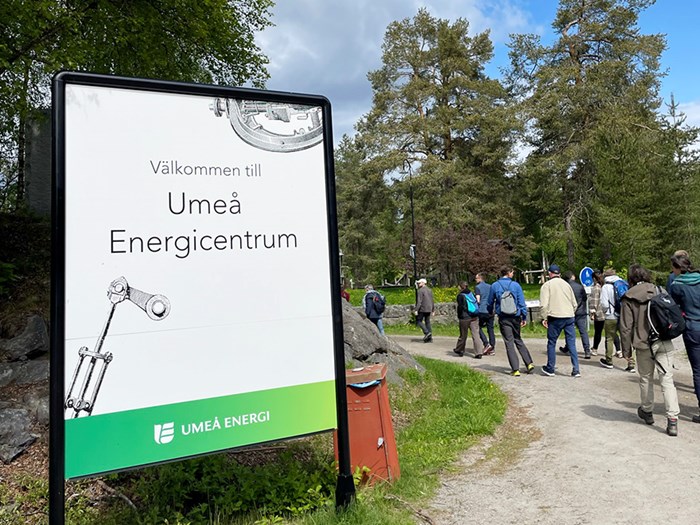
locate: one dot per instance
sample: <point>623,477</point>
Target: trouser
<point>663,351</point>
<point>510,330</point>
<point>425,326</point>
<point>611,336</point>
<point>470,323</point>
<point>486,320</point>
<point>598,333</point>
<point>379,323</point>
<point>555,326</point>
<point>581,322</point>
<point>691,338</point>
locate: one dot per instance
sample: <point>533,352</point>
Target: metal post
<point>413,233</point>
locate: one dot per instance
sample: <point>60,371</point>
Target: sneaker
<point>618,354</point>
<point>587,356</point>
<point>427,336</point>
<point>530,368</point>
<point>488,350</point>
<point>429,339</point>
<point>563,350</point>
<point>575,373</point>
<point>460,354</point>
<point>696,419</point>
<point>477,356</point>
<point>547,372</point>
<point>648,417</point>
<point>672,426</point>
<point>594,351</point>
<point>515,373</point>
<point>605,363</point>
<point>631,369</point>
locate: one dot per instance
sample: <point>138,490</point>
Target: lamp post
<point>412,250</point>
<point>340,255</point>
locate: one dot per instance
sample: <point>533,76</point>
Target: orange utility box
<point>372,441</point>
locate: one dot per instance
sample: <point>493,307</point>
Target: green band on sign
<point>121,440</point>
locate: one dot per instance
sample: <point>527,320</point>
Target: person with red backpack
<point>653,353</point>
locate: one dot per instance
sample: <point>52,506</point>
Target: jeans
<point>555,326</point>
<point>424,316</point>
<point>692,346</point>
<point>379,324</point>
<point>464,326</point>
<point>487,321</point>
<point>646,365</point>
<point>581,323</point>
<point>510,330</point>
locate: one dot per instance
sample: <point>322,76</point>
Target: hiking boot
<point>672,426</point>
<point>530,368</point>
<point>563,350</point>
<point>648,417</point>
<point>631,369</point>
<point>515,373</point>
<point>575,373</point>
<point>488,350</point>
<point>547,372</point>
<point>605,363</point>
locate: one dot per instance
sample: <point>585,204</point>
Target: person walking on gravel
<point>634,334</point>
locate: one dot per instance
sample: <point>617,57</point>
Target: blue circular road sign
<point>586,276</point>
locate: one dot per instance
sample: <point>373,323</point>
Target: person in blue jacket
<point>685,290</point>
<point>510,322</point>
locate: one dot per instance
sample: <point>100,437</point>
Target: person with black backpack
<point>654,350</point>
<point>374,305</point>
<point>685,290</point>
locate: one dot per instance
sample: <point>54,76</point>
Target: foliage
<point>187,40</point>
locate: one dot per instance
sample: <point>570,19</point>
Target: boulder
<point>24,372</point>
<point>364,345</point>
<point>32,342</point>
<point>15,433</point>
<point>36,401</point>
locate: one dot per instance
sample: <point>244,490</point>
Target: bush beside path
<point>572,451</point>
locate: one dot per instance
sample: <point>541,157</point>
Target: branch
<point>417,512</point>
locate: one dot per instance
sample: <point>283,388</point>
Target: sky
<point>327,47</point>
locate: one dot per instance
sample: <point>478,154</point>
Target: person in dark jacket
<point>370,302</point>
<point>425,306</point>
<point>685,290</point>
<point>581,314</point>
<point>468,321</point>
<point>482,291</point>
<point>634,336</point>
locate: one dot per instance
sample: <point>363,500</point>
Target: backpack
<point>508,304</point>
<point>620,288</point>
<point>379,302</point>
<point>665,317</point>
<point>472,306</point>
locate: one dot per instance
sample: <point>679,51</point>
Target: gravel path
<point>572,451</point>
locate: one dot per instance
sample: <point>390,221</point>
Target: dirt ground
<point>572,450</point>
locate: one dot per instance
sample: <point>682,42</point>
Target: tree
<point>589,103</point>
<point>439,128</point>
<point>186,40</point>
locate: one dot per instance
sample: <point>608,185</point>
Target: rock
<point>37,403</point>
<point>15,433</point>
<point>24,372</point>
<point>364,344</point>
<point>7,373</point>
<point>33,341</point>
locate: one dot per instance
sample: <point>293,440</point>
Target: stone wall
<point>445,313</point>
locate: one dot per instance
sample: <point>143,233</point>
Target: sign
<point>198,284</point>
<point>586,276</point>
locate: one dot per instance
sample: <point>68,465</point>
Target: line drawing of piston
<point>82,401</point>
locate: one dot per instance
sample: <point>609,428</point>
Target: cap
<point>422,281</point>
<point>553,268</point>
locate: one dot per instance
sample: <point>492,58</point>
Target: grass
<point>534,330</point>
<point>439,414</point>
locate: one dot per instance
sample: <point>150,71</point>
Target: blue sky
<point>327,47</point>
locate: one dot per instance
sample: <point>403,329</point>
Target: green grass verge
<point>535,330</point>
<point>439,415</point>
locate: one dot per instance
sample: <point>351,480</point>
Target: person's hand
<point>523,322</point>
<point>544,323</point>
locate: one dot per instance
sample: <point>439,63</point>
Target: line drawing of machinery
<point>157,307</point>
<point>272,126</point>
